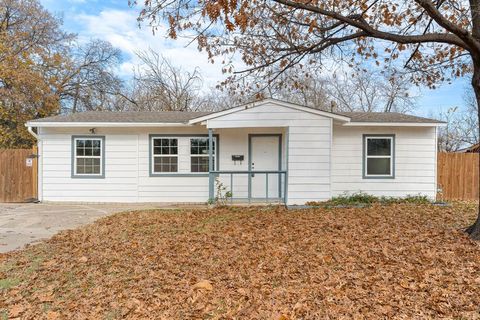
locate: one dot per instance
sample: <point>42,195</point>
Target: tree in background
<point>43,71</point>
<point>87,78</point>
<point>462,129</point>
<point>31,43</point>
<point>434,40</point>
<point>158,85</point>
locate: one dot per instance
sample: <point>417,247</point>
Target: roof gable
<point>270,101</point>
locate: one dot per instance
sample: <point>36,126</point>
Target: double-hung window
<point>379,156</point>
<point>88,157</point>
<point>199,154</point>
<point>165,155</point>
<point>181,155</point>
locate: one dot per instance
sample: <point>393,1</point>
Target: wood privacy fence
<point>458,176</point>
<point>18,175</point>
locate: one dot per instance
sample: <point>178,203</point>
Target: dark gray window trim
<point>364,156</point>
<point>150,152</point>
<point>83,176</point>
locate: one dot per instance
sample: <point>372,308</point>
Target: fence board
<point>17,180</point>
<point>458,176</point>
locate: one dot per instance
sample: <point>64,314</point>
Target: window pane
<point>379,147</point>
<point>199,164</point>
<point>200,146</point>
<point>80,166</point>
<point>164,146</point>
<point>165,164</point>
<point>378,166</point>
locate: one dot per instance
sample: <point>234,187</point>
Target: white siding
<point>415,162</point>
<point>126,169</point>
<point>309,138</point>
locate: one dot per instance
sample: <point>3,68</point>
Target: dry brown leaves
<point>400,261</point>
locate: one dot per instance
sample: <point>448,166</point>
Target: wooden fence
<point>18,175</point>
<point>458,176</point>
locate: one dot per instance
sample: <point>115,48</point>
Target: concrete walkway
<point>24,223</point>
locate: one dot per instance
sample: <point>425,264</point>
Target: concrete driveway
<point>30,222</point>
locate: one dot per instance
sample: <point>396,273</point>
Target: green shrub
<point>362,199</point>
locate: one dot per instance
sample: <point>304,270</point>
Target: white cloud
<point>120,28</point>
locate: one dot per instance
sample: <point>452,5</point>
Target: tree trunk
<point>474,230</point>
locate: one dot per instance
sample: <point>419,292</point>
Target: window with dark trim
<point>165,155</point>
<point>378,156</point>
<point>199,154</point>
<point>88,157</point>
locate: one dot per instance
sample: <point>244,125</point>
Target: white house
<point>268,151</point>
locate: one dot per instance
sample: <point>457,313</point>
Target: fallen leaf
<point>203,284</point>
<point>16,310</point>
<point>52,315</point>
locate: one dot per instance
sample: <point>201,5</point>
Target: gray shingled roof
<point>126,116</point>
<point>386,117</point>
<point>183,117</point>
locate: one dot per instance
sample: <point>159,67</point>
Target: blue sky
<point>115,21</point>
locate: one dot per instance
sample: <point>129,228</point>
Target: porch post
<point>211,178</point>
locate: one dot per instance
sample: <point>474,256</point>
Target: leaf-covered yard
<point>399,261</point>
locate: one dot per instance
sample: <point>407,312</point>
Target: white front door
<point>264,156</point>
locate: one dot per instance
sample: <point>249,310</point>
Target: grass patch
<point>8,283</point>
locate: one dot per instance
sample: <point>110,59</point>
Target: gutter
<point>30,130</point>
<point>105,124</point>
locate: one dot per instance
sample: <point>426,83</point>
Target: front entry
<point>265,155</point>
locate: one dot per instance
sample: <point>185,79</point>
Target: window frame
<point>74,173</point>
<point>365,157</point>
<point>180,155</point>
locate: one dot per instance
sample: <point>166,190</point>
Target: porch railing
<point>253,192</point>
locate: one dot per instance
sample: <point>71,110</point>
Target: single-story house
<point>266,151</point>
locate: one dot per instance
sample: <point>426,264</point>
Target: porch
<point>247,165</point>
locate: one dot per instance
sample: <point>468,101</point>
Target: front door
<point>265,153</point>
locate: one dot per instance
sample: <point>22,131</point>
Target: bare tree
<point>462,128</point>
<point>370,91</point>
<point>88,77</point>
<point>160,85</point>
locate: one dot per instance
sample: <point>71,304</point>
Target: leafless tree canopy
<point>160,85</point>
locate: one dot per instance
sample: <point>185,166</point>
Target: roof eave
<point>104,124</point>
<point>395,124</point>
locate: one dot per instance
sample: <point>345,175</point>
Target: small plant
<point>222,194</point>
